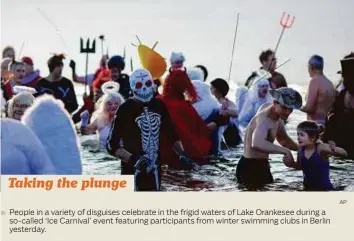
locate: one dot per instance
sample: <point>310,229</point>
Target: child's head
<point>308,133</point>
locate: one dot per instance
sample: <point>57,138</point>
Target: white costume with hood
<point>52,124</point>
<point>22,153</point>
<point>249,103</point>
<point>206,102</point>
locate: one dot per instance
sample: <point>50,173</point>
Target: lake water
<point>220,174</point>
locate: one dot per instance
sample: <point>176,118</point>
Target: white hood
<point>52,124</point>
<point>206,102</point>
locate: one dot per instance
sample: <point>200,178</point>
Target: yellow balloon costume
<point>152,61</point>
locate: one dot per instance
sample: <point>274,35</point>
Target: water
<point>204,32</point>
<point>220,174</point>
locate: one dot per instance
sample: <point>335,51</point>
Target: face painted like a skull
<point>142,85</point>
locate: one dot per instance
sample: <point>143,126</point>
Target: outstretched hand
<point>288,160</point>
<point>85,117</point>
<point>332,145</point>
<point>72,64</point>
<point>142,163</point>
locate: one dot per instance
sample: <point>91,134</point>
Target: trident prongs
<point>87,49</point>
<point>286,23</point>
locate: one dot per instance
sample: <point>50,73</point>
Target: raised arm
<point>284,139</point>
<point>260,142</point>
<point>90,129</point>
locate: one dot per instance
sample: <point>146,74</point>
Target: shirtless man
<point>321,92</point>
<point>253,169</point>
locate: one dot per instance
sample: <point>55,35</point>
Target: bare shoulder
<point>261,117</point>
<point>264,107</point>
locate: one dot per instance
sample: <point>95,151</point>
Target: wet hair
<point>205,71</point>
<point>312,129</point>
<point>265,55</point>
<point>316,62</point>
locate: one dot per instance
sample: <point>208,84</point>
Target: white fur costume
<point>22,153</point>
<point>52,124</point>
<point>249,103</point>
<point>206,102</point>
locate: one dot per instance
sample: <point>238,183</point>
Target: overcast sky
<point>203,30</point>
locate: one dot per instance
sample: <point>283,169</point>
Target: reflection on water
<point>220,174</point>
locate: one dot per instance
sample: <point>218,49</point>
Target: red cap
<point>27,60</point>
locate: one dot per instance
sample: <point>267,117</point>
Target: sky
<point>202,30</point>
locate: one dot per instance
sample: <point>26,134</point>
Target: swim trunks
<point>253,173</point>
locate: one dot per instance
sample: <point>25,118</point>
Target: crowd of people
<point>182,120</point>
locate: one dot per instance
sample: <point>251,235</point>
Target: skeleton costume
<point>138,127</point>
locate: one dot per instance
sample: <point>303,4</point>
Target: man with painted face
<point>57,85</point>
<point>139,126</point>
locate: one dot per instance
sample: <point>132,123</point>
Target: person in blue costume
<point>313,157</point>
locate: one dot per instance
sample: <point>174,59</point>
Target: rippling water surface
<point>220,174</point>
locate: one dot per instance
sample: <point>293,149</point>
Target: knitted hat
<point>287,97</point>
<point>221,85</point>
<point>27,60</point>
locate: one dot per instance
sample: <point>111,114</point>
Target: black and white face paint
<point>142,85</point>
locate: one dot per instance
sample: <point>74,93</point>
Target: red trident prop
<point>285,22</point>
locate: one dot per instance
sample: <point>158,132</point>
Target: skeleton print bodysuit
<point>138,128</point>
